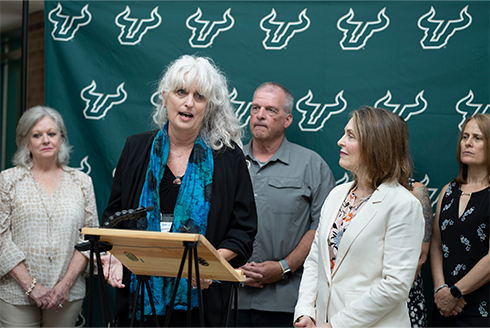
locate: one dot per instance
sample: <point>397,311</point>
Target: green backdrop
<point>428,61</point>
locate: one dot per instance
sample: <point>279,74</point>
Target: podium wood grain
<point>156,253</point>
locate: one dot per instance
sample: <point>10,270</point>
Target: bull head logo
<point>406,111</point>
<point>133,29</point>
<point>432,191</point>
<point>314,118</point>
<point>436,33</point>
<point>65,26</point>
<point>465,107</point>
<point>281,34</point>
<point>242,112</point>
<point>356,34</point>
<point>85,166</point>
<point>202,36</point>
<point>98,104</point>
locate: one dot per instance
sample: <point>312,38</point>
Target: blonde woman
<point>43,206</point>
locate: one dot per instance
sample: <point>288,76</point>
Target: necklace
<point>465,193</point>
<point>360,202</point>
<point>178,180</point>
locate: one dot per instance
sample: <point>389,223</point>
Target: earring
<point>28,151</point>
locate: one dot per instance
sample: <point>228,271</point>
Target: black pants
<point>178,319</point>
<point>458,320</point>
<point>256,318</point>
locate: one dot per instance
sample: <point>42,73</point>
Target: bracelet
<point>440,287</point>
<point>31,287</point>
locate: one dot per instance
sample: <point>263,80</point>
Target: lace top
<point>41,230</point>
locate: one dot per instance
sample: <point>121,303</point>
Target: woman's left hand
<point>448,304</point>
<point>59,296</point>
<point>304,321</point>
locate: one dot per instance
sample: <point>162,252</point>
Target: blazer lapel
<point>331,216</point>
<point>360,221</point>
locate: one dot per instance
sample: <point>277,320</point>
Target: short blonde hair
<point>22,156</point>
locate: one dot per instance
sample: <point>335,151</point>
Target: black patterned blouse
<point>464,242</point>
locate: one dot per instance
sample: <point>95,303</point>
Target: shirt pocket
<point>284,195</point>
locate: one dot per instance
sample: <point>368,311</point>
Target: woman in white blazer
<point>365,253</point>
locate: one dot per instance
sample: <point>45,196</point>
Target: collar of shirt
<point>283,154</point>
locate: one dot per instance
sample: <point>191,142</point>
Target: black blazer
<point>232,220</point>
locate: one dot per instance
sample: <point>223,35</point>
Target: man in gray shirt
<point>290,185</point>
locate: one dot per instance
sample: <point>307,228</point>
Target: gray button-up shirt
<point>289,191</point>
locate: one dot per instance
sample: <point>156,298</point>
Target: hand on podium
<point>113,270</point>
<point>205,283</point>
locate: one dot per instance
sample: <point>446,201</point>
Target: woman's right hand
<point>304,321</point>
<point>41,295</point>
<point>113,270</point>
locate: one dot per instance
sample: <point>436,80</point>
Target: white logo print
<point>133,29</point>
<point>406,111</point>
<point>281,36</point>
<point>356,38</point>
<point>432,191</point>
<point>156,100</point>
<point>98,104</point>
<point>65,26</point>
<point>242,112</point>
<point>203,37</point>
<point>344,179</point>
<point>85,166</point>
<point>465,106</point>
<point>435,35</point>
<point>314,118</point>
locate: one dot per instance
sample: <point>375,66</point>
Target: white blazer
<point>376,262</point>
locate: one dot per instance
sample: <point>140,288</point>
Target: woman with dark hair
<point>43,206</point>
<point>191,167</point>
<point>460,256</point>
<point>365,253</point>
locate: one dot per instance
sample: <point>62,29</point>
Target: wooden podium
<point>153,253</point>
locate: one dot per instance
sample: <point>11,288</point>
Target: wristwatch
<point>286,271</point>
<point>455,291</point>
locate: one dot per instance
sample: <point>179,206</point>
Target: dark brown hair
<point>383,145</point>
<point>483,121</point>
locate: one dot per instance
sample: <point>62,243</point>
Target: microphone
<point>138,213</point>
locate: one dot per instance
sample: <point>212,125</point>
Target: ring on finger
<point>60,306</point>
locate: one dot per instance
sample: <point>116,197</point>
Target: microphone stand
<point>96,247</point>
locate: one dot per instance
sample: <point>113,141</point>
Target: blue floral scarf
<point>190,214</point>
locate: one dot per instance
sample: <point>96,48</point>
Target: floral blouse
<point>347,212</point>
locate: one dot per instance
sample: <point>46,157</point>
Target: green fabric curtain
<point>427,61</point>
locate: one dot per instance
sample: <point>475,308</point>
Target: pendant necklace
<point>178,180</point>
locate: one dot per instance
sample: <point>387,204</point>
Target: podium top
<point>156,253</point>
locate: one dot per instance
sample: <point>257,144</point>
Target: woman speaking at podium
<point>192,167</point>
